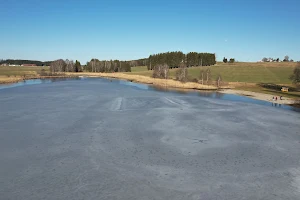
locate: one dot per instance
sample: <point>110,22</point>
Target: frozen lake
<point>102,139</point>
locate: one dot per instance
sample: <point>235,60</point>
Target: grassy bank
<point>13,74</point>
<point>11,79</point>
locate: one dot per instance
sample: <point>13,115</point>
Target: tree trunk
<point>207,77</point>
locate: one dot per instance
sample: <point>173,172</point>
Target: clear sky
<point>247,30</point>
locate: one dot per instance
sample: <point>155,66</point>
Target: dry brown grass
<point>15,79</point>
<point>6,80</point>
<point>170,83</point>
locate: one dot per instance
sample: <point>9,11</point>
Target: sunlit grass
<point>278,73</point>
<point>20,71</point>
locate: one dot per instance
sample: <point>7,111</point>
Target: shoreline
<point>12,80</point>
<point>168,83</point>
<point>260,96</point>
<point>165,83</point>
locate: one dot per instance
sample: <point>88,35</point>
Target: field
<point>20,71</point>
<point>11,74</point>
<point>277,73</point>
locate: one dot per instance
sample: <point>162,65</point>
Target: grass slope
<point>278,73</point>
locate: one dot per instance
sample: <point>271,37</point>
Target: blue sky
<point>247,30</point>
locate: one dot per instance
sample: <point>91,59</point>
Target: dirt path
<point>259,96</point>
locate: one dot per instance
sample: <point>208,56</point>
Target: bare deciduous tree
<point>58,66</point>
<point>219,79</point>
<point>133,63</point>
<point>161,71</point>
<point>69,66</point>
<point>182,73</point>
<point>208,74</point>
<point>96,65</point>
<point>201,76</point>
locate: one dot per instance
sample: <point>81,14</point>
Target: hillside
<point>277,73</point>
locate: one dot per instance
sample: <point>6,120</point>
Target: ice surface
<point>96,139</point>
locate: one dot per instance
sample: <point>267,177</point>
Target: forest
<point>177,58</point>
<point>21,62</point>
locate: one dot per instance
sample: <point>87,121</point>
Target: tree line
<point>177,58</point>
<point>21,62</point>
<point>61,65</point>
<point>139,62</point>
<point>96,65</point>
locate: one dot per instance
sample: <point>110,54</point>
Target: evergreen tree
<point>174,59</point>
<point>77,66</point>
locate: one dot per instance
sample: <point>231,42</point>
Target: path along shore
<point>259,96</point>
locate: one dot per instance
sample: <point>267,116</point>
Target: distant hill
<point>20,62</point>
